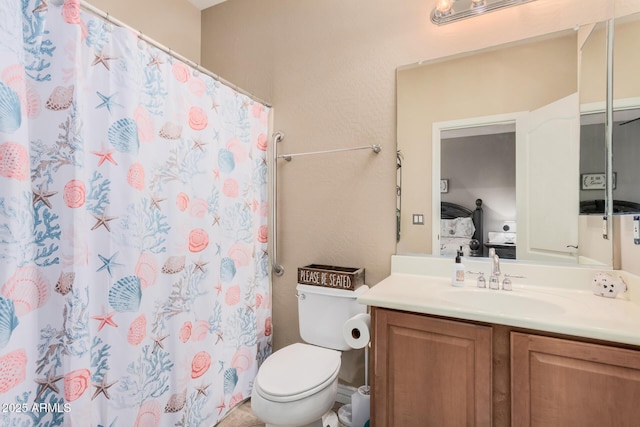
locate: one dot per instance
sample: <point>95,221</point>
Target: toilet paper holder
<point>357,329</point>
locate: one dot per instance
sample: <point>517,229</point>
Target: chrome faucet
<point>494,280</point>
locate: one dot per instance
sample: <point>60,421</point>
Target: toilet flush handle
<point>300,296</point>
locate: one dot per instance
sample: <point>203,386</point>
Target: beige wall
<point>173,23</point>
<point>328,67</point>
<point>626,60</point>
<point>629,251</point>
<point>593,65</point>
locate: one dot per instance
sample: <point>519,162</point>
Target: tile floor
<point>242,416</point>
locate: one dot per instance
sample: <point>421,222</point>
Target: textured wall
<point>173,23</point>
<point>328,67</point>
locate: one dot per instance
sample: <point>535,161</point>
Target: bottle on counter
<point>457,276</point>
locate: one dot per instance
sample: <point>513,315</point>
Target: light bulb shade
<point>447,11</point>
<point>443,6</point>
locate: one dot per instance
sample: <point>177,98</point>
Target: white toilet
<point>297,385</point>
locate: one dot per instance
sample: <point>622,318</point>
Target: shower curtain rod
<point>104,15</point>
<point>376,149</point>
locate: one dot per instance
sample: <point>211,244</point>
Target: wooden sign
<point>346,278</point>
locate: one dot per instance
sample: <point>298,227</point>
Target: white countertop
<point>572,309</point>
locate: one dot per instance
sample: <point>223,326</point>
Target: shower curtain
<point>134,284</point>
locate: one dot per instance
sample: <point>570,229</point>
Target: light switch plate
<point>418,219</point>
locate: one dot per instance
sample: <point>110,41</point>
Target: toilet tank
<point>323,311</point>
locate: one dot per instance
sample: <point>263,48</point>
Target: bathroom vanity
<point>551,355</point>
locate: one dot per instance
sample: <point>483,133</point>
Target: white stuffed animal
<point>605,285</point>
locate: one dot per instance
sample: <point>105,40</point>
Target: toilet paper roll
<point>356,330</point>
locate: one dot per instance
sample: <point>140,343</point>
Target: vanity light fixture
<point>447,11</point>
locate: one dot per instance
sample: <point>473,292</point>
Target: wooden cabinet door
<point>429,372</point>
<point>557,382</point>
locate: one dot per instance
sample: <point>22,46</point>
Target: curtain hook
<point>141,42</point>
<point>108,25</point>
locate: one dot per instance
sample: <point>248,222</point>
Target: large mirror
<point>625,192</point>
<point>626,139</point>
<point>502,126</point>
<point>626,115</point>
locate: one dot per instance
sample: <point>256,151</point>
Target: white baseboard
<point>344,394</point>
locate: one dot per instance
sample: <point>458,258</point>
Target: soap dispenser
<point>457,276</point>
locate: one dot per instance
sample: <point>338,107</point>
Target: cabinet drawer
<point>430,371</point>
<point>558,382</point>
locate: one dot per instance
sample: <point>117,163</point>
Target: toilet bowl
<point>296,386</point>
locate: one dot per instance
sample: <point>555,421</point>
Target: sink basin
<point>501,302</point>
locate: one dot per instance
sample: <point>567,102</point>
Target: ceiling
<point>203,4</point>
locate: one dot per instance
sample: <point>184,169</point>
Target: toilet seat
<point>297,371</point>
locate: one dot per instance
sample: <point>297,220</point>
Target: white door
<point>547,180</point>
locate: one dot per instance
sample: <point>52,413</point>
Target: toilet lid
<point>296,369</point>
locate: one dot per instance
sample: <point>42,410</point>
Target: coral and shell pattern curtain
<point>134,286</point>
